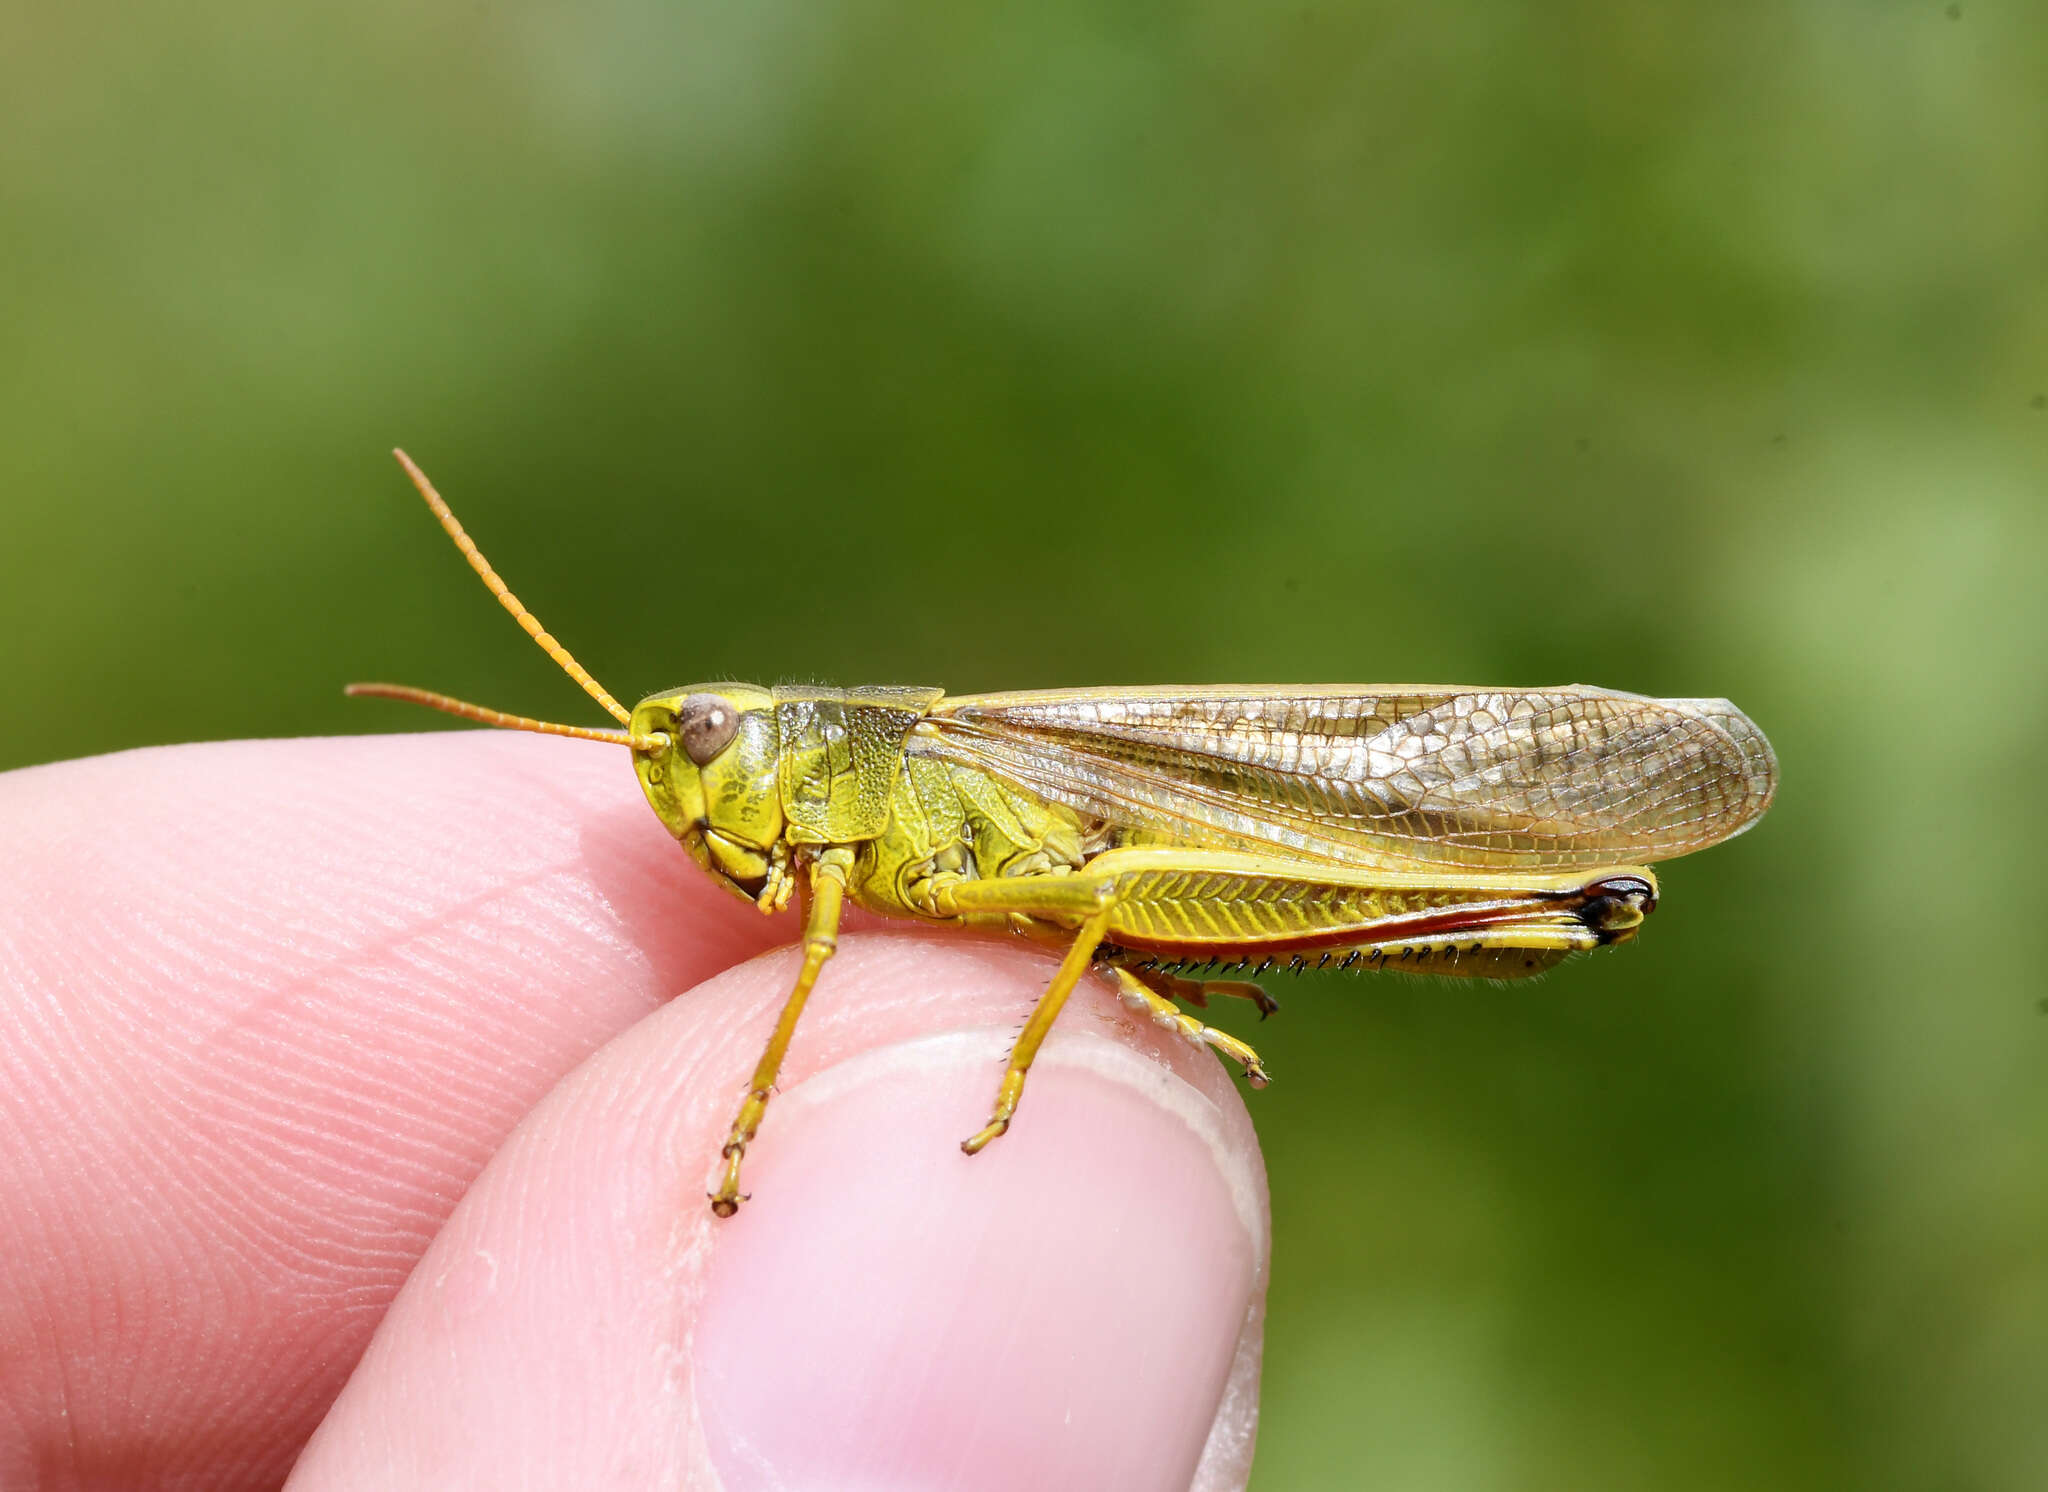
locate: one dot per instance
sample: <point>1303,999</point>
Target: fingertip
<point>1065,1308</point>
<point>1080,1304</point>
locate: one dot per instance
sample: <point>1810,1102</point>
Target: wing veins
<point>1569,777</point>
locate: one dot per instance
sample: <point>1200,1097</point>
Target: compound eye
<point>705,724</point>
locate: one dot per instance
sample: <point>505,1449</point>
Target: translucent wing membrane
<point>1389,775</point>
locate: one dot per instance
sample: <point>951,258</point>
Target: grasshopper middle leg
<point>1093,903</point>
<point>1072,967</point>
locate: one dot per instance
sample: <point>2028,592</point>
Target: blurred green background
<point>1692,350</point>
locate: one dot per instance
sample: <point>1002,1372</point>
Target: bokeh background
<point>1692,350</point>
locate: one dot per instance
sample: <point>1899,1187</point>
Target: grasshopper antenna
<point>448,705</point>
<point>497,587</point>
<point>530,624</point>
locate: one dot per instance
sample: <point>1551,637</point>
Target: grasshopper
<point>1425,829</point>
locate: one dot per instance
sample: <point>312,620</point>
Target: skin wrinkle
<point>358,1093</point>
<point>383,945</point>
<point>238,1193</point>
<point>394,943</point>
<point>290,1142</point>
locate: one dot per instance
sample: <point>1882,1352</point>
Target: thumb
<point>1080,1306</point>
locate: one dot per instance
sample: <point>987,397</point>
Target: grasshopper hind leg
<point>1199,992</point>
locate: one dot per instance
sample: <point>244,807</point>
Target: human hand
<point>352,1062</point>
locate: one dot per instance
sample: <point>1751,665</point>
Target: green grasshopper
<point>1424,829</point>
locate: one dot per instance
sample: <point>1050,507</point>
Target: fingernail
<point>1062,1310</point>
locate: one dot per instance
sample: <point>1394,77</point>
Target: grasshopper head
<point>714,783</point>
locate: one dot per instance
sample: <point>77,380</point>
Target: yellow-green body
<point>931,835</point>
<point>1439,829</point>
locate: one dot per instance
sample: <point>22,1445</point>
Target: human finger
<point>1080,1305</point>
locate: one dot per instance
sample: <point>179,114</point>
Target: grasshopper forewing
<point>1154,832</point>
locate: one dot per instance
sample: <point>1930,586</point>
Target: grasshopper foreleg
<point>821,936</point>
